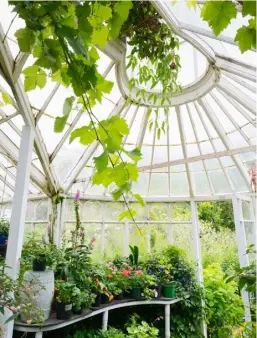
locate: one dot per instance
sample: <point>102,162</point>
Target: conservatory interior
<point>127,169</point>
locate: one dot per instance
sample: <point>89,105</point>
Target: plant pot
<point>126,294</point>
<point>136,292</point>
<point>3,238</point>
<point>3,248</point>
<point>105,299</point>
<point>158,289</point>
<point>119,297</point>
<point>77,312</point>
<point>38,265</point>
<point>98,300</point>
<point>63,310</point>
<point>169,291</point>
<point>41,285</point>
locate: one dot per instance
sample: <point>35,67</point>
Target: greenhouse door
<point>245,235</point>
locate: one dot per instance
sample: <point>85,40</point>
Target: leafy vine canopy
<point>64,38</point>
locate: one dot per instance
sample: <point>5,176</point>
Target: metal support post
<point>126,239</point>
<point>19,207</point>
<point>197,252</point>
<point>242,247</point>
<point>105,320</point>
<point>167,321</point>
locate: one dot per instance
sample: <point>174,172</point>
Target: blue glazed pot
<point>3,238</point>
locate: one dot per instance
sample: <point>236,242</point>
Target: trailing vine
<point>153,57</point>
<point>62,38</point>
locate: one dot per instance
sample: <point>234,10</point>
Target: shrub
<point>223,305</point>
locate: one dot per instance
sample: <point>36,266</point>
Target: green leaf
<point>34,76</point>
<point>60,122</point>
<point>26,39</point>
<point>191,3</point>
<point>139,199</point>
<point>133,171</point>
<point>127,214</point>
<point>121,13</point>
<point>103,177</point>
<point>218,14</point>
<point>105,86</point>
<point>135,154</point>
<point>249,8</point>
<point>86,135</point>
<point>101,161</point>
<point>119,124</point>
<point>6,98</point>
<point>100,36</point>
<point>246,36</point>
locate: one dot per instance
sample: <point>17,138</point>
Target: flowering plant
<point>150,293</point>
<point>137,278</point>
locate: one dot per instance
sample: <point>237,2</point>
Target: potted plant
<point>136,282</point>
<point>4,230</point>
<point>64,300</point>
<point>168,286</point>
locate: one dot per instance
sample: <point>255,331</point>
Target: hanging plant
<point>153,57</point>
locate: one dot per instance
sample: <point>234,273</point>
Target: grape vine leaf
<point>100,36</point>
<point>101,161</point>
<point>246,36</point>
<point>121,13</point>
<point>103,177</point>
<point>249,8</point>
<point>135,154</point>
<point>6,98</point>
<point>34,76</point>
<point>139,199</point>
<point>86,135</point>
<point>218,14</point>
<point>60,122</point>
<point>191,3</point>
<point>127,214</point>
<point>26,39</point>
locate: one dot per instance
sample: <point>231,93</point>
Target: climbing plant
<point>219,14</point>
<point>62,36</point>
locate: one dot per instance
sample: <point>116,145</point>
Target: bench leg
<point>38,334</point>
<point>105,320</point>
<point>167,321</point>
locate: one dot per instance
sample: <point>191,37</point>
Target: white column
<point>19,207</point>
<point>197,252</point>
<point>105,320</point>
<point>242,246</point>
<point>196,243</point>
<point>167,321</point>
<point>102,249</point>
<point>58,226</point>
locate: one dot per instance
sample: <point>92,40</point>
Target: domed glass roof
<point>208,140</point>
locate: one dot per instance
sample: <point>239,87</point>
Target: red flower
<point>125,273</point>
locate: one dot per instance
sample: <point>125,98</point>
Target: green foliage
<point>246,36</point>
<point>34,76</point>
<point>6,98</point>
<point>62,38</point>
<point>153,56</point>
<point>217,214</point>
<point>219,14</point>
<point>60,122</point>
<point>4,226</point>
<point>134,255</point>
<point>223,305</point>
<point>140,329</point>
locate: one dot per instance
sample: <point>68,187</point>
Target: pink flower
<point>139,272</point>
<point>125,273</point>
<point>82,234</point>
<point>125,264</point>
<point>77,196</point>
<point>93,240</point>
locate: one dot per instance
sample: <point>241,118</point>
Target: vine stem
<point>90,113</point>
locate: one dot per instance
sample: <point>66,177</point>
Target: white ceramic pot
<point>41,284</point>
